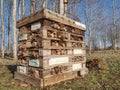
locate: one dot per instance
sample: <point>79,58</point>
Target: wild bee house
<point>51,49</point>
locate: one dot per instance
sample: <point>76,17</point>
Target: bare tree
<point>32,6</point>
<point>10,6</point>
<point>19,9</point>
<point>2,15</point>
<point>88,22</point>
<point>114,25</point>
<point>14,31</point>
<point>23,8</point>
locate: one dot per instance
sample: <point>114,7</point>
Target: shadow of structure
<point>12,68</point>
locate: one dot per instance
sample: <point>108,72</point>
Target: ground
<point>106,79</point>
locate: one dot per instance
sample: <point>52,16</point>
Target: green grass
<point>108,79</point>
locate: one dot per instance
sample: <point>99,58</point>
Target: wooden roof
<point>48,14</point>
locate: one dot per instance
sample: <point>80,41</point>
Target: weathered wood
<point>23,30</point>
<point>77,58</point>
<point>28,79</point>
<point>79,51</point>
<point>51,16</point>
<point>39,82</point>
<point>58,78</point>
<point>51,49</point>
<point>33,72</point>
<point>56,70</point>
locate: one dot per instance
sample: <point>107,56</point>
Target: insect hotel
<point>51,49</point>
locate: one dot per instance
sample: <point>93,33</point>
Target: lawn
<point>106,79</point>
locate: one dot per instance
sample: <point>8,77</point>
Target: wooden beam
<point>51,16</point>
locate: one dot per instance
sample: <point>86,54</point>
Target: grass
<point>108,79</point>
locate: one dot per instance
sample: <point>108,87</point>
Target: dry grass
<point>108,79</point>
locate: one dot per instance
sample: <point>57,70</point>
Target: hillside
<point>106,79</point>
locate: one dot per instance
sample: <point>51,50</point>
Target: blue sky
<point>107,12</point>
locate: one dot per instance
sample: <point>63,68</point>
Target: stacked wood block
<point>51,49</point>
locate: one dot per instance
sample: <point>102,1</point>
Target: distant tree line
<point>102,20</point>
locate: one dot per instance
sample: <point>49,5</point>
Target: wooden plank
<point>62,19</point>
<point>28,79</point>
<point>78,51</point>
<point>49,15</point>
<point>44,52</point>
<point>56,70</point>
<point>30,19</point>
<point>46,81</point>
<point>58,78</point>
<point>53,62</point>
<point>76,66</point>
<point>60,60</point>
<point>70,52</point>
<point>46,43</point>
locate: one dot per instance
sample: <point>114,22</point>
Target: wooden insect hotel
<point>51,49</point>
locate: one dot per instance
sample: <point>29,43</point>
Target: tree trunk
<point>88,25</point>
<point>32,6</point>
<point>10,6</point>
<point>61,11</point>
<point>89,39</point>
<point>114,25</point>
<point>19,9</point>
<point>23,8</point>
<point>53,5</point>
<point>8,32</point>
<point>14,31</point>
<point>2,14</point>
<point>44,3</point>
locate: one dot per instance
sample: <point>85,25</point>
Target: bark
<point>32,6</point>
<point>2,15</point>
<point>9,32</point>
<point>88,25</point>
<point>19,9</point>
<point>61,11</point>
<point>9,22</point>
<point>23,8</point>
<point>114,25</point>
<point>44,4</point>
<point>14,31</point>
<point>53,5</point>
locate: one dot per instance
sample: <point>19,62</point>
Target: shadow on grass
<point>12,68</point>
